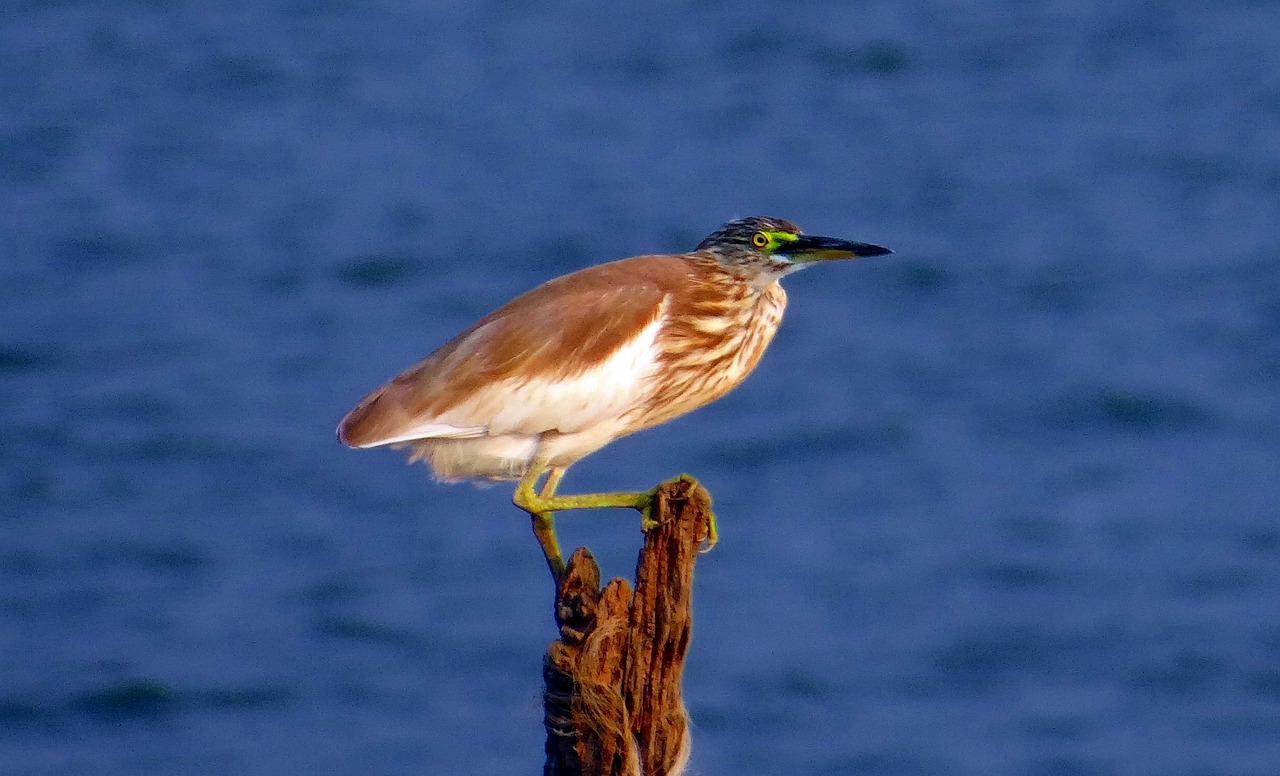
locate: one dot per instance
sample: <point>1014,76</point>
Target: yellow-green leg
<point>544,523</point>
<point>544,503</point>
<point>547,501</point>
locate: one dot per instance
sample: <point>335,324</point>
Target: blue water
<point>1005,502</point>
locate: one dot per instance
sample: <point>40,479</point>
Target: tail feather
<point>381,420</point>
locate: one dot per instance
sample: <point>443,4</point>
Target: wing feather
<point>562,356</point>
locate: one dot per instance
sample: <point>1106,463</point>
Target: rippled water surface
<point>1005,502</point>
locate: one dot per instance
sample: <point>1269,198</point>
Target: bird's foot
<point>713,533</point>
<point>648,522</point>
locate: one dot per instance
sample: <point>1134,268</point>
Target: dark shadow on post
<point>612,698</point>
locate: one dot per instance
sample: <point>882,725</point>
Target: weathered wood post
<point>612,701</point>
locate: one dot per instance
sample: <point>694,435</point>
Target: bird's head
<point>765,249</point>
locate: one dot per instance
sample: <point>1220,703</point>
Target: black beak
<point>808,247</point>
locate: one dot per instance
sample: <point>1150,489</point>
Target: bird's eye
<point>760,239</point>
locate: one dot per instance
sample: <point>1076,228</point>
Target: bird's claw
<point>648,523</point>
<point>713,534</point>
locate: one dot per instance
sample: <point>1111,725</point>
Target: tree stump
<point>612,701</point>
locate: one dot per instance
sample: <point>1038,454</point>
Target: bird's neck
<point>735,309</point>
<point>758,278</point>
<point>710,340</point>
<point>755,269</point>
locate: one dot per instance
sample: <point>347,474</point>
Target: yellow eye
<point>760,239</point>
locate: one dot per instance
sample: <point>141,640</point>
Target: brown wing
<point>558,330</point>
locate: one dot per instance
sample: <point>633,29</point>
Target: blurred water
<point>1005,502</point>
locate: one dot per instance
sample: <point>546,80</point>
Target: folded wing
<point>567,355</point>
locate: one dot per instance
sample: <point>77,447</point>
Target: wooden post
<point>612,699</point>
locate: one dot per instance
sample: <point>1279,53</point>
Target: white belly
<point>508,456</point>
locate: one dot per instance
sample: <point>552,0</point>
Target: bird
<point>586,358</point>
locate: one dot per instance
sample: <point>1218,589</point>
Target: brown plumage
<point>713,331</point>
<point>583,359</point>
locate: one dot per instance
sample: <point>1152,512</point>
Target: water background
<point>1006,502</point>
